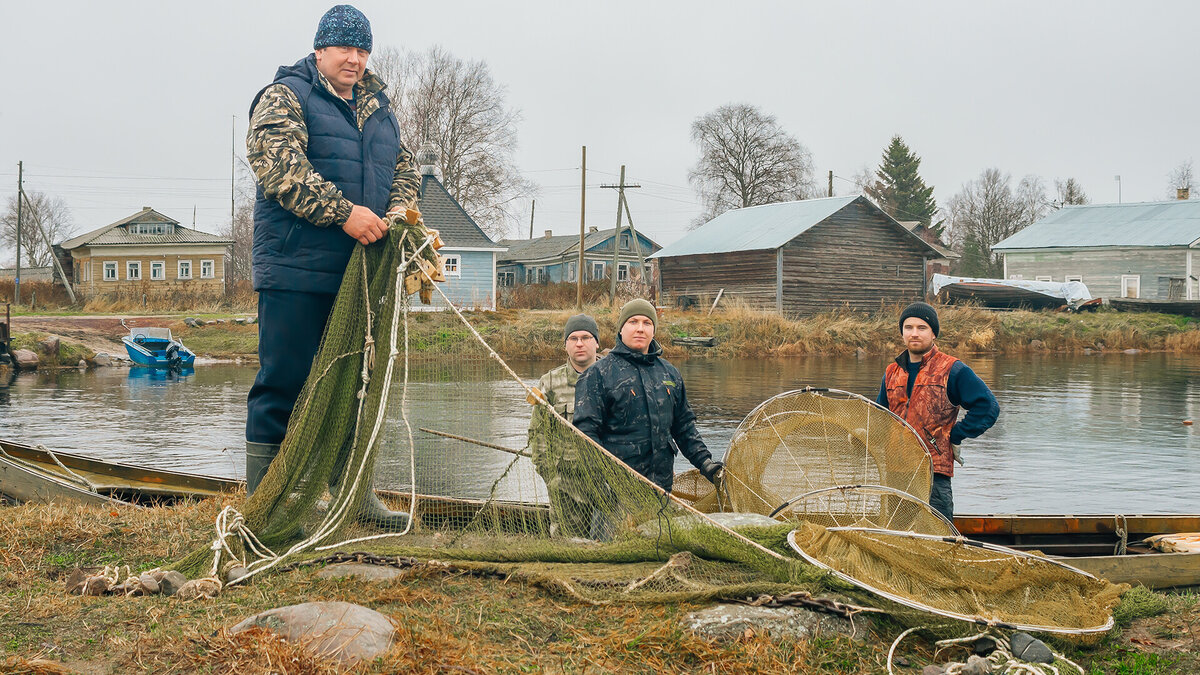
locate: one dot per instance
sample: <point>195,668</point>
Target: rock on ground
<point>361,570</point>
<point>102,359</point>
<point>25,359</point>
<point>729,622</point>
<point>343,631</point>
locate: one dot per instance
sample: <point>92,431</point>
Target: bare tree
<point>238,265</point>
<point>863,182</point>
<point>1070,192</point>
<point>747,159</point>
<point>460,108</point>
<point>55,219</point>
<point>988,210</point>
<point>1182,178</point>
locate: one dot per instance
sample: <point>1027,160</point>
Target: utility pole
<point>612,286</point>
<point>830,182</point>
<point>637,246</point>
<point>20,194</point>
<point>62,274</point>
<point>582,229</point>
<point>232,167</point>
<point>532,210</point>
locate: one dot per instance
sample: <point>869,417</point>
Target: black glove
<point>711,469</point>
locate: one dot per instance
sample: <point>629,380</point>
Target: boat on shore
<point>1181,307</point>
<point>1013,293</point>
<point>156,348</point>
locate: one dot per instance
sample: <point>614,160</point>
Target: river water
<point>1076,434</point>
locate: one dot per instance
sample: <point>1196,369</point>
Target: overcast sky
<point>118,105</point>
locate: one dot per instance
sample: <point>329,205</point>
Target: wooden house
<point>798,258</point>
<point>553,259</point>
<point>470,255</point>
<point>1141,250</point>
<point>146,252</point>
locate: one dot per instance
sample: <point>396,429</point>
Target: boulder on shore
<point>343,631</point>
<point>25,359</point>
<point>102,359</point>
<point>50,346</point>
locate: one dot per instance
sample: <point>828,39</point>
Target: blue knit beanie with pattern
<point>343,26</point>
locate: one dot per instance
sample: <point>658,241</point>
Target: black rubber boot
<point>258,460</point>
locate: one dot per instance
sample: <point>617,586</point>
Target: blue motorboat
<point>156,348</point>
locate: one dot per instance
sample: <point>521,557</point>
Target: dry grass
<point>43,296</point>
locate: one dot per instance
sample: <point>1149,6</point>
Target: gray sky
<point>118,105</point>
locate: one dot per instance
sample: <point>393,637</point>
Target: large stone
<point>976,665</point>
<point>192,322</point>
<point>339,630</point>
<point>25,359</point>
<point>171,582</point>
<point>102,359</point>
<point>50,346</point>
<point>360,570</point>
<point>729,622</point>
<point>1028,648</point>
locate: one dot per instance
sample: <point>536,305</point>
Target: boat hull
<point>152,353</point>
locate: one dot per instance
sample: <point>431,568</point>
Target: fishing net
<point>872,506</point>
<point>811,439</point>
<point>480,471</point>
<point>963,579</point>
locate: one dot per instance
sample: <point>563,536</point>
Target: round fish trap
<point>962,579</point>
<point>812,439</point>
<point>870,506</point>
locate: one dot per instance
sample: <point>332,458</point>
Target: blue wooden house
<point>470,255</point>
<point>553,259</point>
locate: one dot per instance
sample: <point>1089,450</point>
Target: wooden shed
<point>798,258</point>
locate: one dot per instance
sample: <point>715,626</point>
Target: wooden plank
<point>1157,571</point>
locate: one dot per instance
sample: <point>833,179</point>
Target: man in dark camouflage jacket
<point>570,509</point>
<point>326,152</point>
<point>632,403</point>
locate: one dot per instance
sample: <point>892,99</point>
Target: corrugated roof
<point>765,227</point>
<point>440,211</point>
<point>115,235</point>
<point>1173,223</point>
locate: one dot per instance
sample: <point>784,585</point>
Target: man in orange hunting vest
<point>926,388</point>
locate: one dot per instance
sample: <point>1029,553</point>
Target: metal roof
<point>765,227</point>
<point>1171,223</point>
<point>442,212</point>
<point>115,234</point>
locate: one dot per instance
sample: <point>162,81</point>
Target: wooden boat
<point>1090,543</point>
<point>1183,307</point>
<point>30,473</point>
<point>156,348</point>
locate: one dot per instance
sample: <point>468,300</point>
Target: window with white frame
<point>208,269</point>
<point>185,269</point>
<point>158,270</point>
<point>133,270</point>
<point>623,272</point>
<point>1131,286</point>
<point>110,270</point>
<point>1043,278</point>
<point>505,279</point>
<point>597,270</point>
<point>1016,276</point>
<point>571,271</point>
<point>1074,277</point>
<point>453,265</point>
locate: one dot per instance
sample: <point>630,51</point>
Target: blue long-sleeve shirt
<point>965,389</point>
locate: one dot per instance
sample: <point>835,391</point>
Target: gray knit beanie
<point>581,322</point>
<point>343,26</point>
<point>637,307</point>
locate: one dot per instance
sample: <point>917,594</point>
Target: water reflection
<point>1086,434</point>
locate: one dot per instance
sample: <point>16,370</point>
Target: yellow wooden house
<point>147,252</point>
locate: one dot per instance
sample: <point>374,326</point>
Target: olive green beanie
<point>637,307</point>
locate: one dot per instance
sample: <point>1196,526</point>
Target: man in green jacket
<point>570,509</point>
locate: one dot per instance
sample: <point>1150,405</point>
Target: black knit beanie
<point>922,311</point>
<point>581,322</point>
<point>343,26</point>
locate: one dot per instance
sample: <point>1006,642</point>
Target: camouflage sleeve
<point>276,148</point>
<point>406,185</point>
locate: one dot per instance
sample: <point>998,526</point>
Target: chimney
<point>592,229</point>
<point>549,233</point>
<point>147,208</point>
<point>1183,193</point>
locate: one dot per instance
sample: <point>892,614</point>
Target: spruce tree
<point>900,191</point>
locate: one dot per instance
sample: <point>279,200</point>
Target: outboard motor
<point>173,358</point>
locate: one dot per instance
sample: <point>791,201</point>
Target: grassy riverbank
<point>448,622</point>
<point>739,332</point>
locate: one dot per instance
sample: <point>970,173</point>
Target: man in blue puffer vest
<point>326,152</point>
